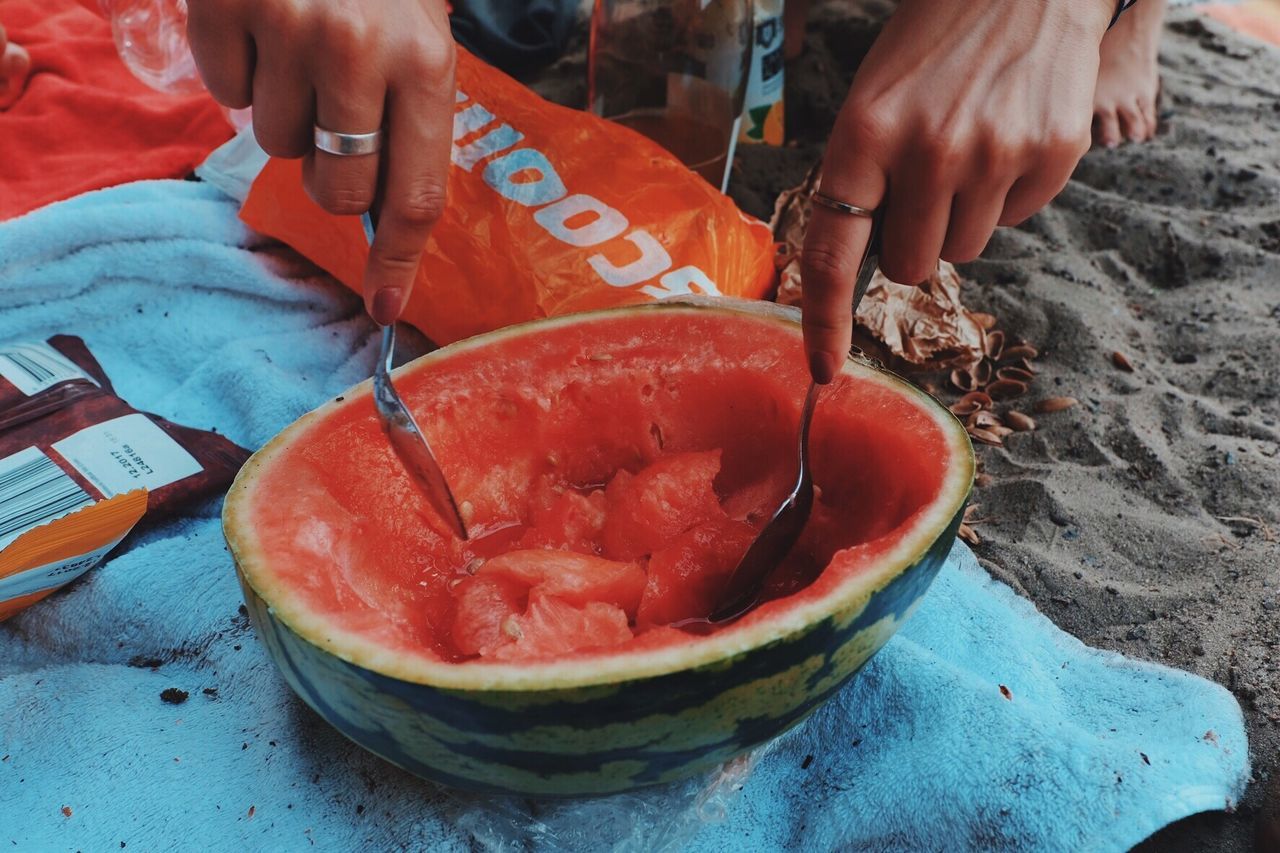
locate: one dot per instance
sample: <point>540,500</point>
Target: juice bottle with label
<point>676,71</point>
<point>762,117</point>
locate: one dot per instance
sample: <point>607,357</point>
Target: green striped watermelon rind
<point>609,723</point>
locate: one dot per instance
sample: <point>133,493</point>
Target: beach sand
<point>1144,520</point>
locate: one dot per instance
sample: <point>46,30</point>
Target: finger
<point>224,54</point>
<point>346,103</point>
<point>419,134</point>
<point>975,212</point>
<point>1107,129</point>
<point>283,104</point>
<point>1036,189</point>
<point>916,214</point>
<point>834,244</point>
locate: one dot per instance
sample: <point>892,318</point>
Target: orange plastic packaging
<point>551,210</point>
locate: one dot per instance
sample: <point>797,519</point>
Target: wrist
<point>1094,16</point>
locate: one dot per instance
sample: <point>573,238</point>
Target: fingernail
<point>823,366</point>
<point>1112,143</point>
<point>386,306</point>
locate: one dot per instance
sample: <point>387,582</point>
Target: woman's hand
<point>962,117</point>
<point>350,67</point>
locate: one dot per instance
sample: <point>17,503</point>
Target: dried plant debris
<point>926,325</point>
<point>968,523</point>
<point>930,329</point>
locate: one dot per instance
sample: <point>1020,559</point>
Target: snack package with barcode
<point>80,467</point>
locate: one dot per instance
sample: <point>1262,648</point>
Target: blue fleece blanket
<point>980,725</point>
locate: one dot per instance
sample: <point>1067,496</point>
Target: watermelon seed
<point>1004,691</point>
<point>804,765</point>
<point>511,628</point>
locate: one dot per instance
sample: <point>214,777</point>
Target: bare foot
<point>15,64</point>
<point>1124,102</point>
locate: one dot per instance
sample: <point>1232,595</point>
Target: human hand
<point>349,67</point>
<point>962,117</point>
<point>15,65</point>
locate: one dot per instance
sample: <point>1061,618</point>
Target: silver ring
<point>348,144</point>
<point>843,207</point>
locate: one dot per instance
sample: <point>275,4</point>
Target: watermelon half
<point>355,594</point>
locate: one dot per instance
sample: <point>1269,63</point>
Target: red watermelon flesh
<point>576,579</point>
<point>660,502</point>
<point>667,514</point>
<point>552,627</point>
<point>481,605</point>
<point>688,574</point>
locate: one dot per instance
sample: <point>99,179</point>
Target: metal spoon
<point>402,430</point>
<point>778,537</point>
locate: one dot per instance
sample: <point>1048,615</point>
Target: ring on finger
<point>842,206</point>
<point>347,144</point>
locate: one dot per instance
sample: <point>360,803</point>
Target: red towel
<point>84,122</point>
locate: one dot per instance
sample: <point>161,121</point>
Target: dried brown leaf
<point>1055,404</point>
<point>926,325</point>
<point>982,480</point>
<point>1000,431</point>
<point>969,535</point>
<point>1005,389</point>
<point>1019,421</point>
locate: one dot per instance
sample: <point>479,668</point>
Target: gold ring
<point>843,207</point>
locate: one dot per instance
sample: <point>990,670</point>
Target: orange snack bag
<point>551,210</point>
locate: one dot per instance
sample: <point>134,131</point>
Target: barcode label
<point>34,367</point>
<point>33,491</point>
<point>127,453</point>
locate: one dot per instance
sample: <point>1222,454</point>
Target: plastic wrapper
<point>79,467</point>
<point>651,820</point>
<point>926,325</point>
<point>151,38</point>
<point>551,211</point>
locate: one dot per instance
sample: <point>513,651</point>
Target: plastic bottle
<point>676,71</point>
<point>151,38</point>
<point>762,116</point>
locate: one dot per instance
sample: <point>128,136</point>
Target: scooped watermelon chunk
<point>686,577</point>
<point>481,605</point>
<point>577,579</point>
<point>552,627</point>
<point>561,517</point>
<point>649,509</point>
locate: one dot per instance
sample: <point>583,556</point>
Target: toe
<point>1147,109</point>
<point>1133,126</point>
<point>1106,128</point>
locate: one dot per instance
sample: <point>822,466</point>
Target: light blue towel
<point>979,726</point>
